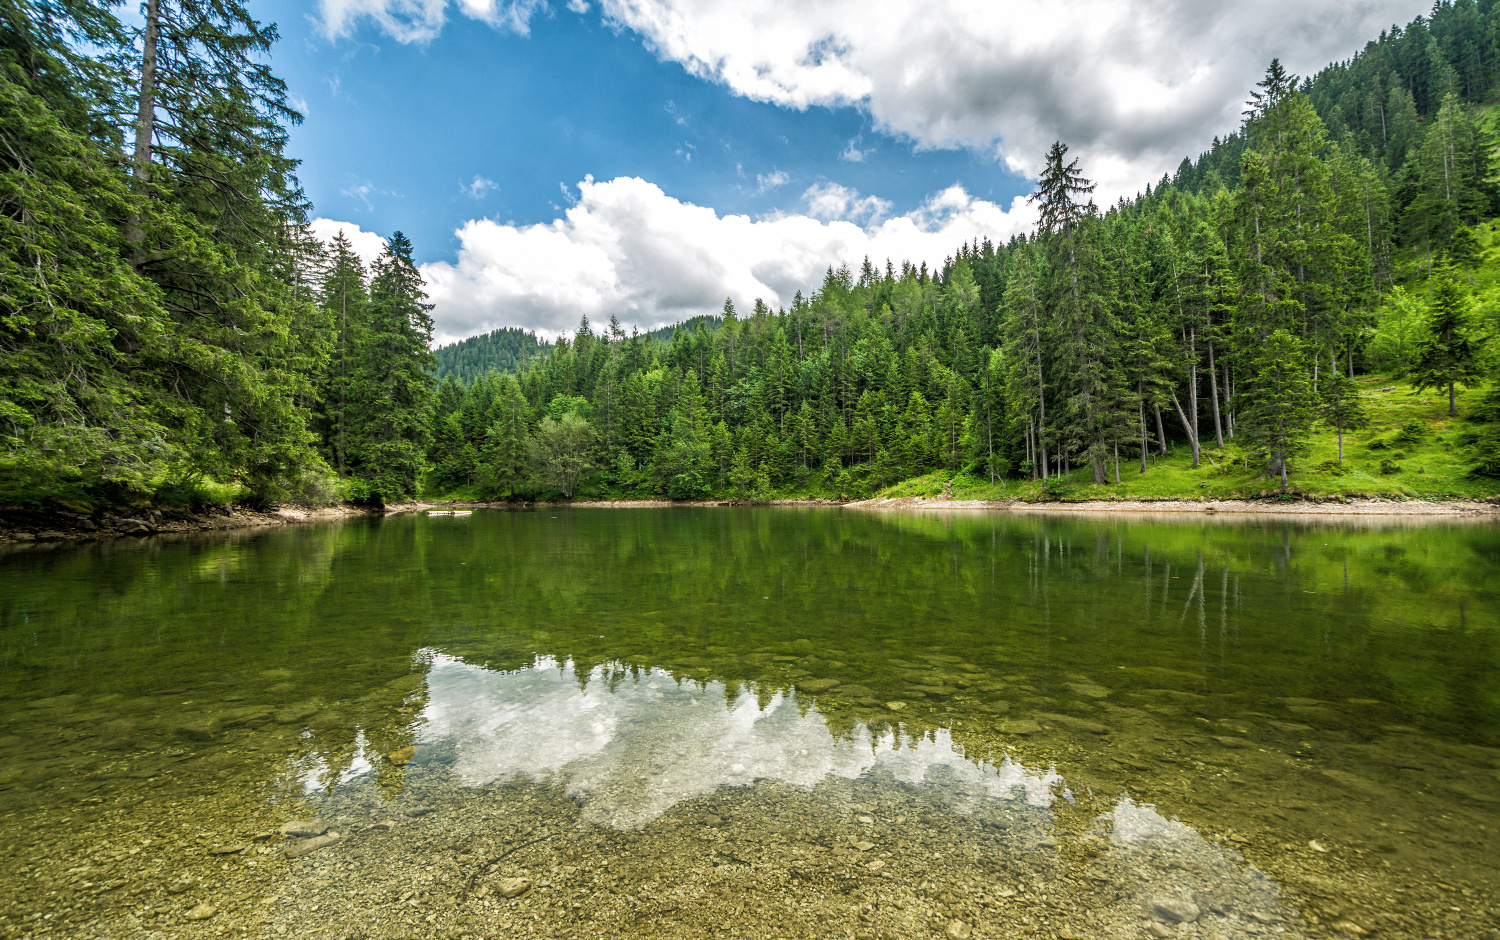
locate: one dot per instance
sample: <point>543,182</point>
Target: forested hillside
<point>171,327</point>
<point>504,350</point>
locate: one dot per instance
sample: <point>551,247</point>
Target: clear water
<point>694,722</point>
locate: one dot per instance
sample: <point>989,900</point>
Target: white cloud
<point>628,249</point>
<point>367,245</point>
<point>765,182</point>
<point>422,20</point>
<point>852,153</point>
<point>480,187</point>
<point>360,191</point>
<point>831,201</point>
<point>1132,86</point>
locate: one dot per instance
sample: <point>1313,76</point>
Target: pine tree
<point>504,459</point>
<point>1341,407</point>
<point>393,380</point>
<point>1447,355</point>
<point>345,300</point>
<point>1276,406</point>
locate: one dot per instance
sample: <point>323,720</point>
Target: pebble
<point>1174,910</point>
<point>1316,846</point>
<point>1158,929</point>
<point>304,828</point>
<point>864,846</point>
<point>304,846</point>
<point>402,756</point>
<point>512,887</point>
<point>202,912</point>
<point>895,706</point>
<point>1351,928</point>
<point>875,865</point>
<point>958,930</point>
<point>229,849</point>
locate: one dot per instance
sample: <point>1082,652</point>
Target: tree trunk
<point>1142,400</point>
<point>145,121</point>
<point>1192,432</point>
<point>1193,387</point>
<point>1213,377</point>
<point>1117,461</point>
<point>1341,444</point>
<point>1452,401</point>
<point>1161,432</point>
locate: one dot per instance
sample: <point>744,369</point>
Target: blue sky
<point>396,134</point>
<point>552,159</point>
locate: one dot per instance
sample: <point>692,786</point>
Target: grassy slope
<point>1433,467</point>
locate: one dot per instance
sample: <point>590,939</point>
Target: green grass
<point>1433,466</point>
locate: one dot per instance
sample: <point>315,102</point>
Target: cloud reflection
<point>632,744</point>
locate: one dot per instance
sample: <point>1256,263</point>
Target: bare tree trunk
<point>1117,461</point>
<point>1213,381</point>
<point>1142,401</point>
<point>1193,387</point>
<point>1161,432</point>
<point>1192,432</point>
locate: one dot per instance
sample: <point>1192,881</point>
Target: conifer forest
<point>171,325</point>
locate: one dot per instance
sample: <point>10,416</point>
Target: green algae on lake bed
<point>782,722</point>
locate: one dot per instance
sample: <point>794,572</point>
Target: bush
<point>359,492</point>
<point>1333,468</point>
<point>1389,468</point>
<point>1054,488</point>
<point>1411,434</point>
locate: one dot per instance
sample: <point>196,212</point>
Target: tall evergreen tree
<point>1447,356</point>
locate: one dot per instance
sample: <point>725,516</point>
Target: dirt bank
<point>28,525</point>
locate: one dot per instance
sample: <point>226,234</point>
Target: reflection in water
<point>633,743</point>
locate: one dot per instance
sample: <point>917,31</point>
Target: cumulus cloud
<point>852,153</point>
<point>367,245</point>
<point>1131,86</point>
<point>831,201</point>
<point>628,249</point>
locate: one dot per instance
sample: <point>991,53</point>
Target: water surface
<point>685,722</point>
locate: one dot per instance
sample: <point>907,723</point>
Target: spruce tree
<point>1341,407</point>
<point>1277,406</point>
<point>393,379</point>
<point>1447,355</point>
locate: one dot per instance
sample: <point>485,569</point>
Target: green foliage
<point>1277,407</point>
<point>562,452</point>
<point>1447,355</point>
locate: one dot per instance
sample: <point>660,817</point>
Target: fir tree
<point>1447,355</point>
<point>1277,403</point>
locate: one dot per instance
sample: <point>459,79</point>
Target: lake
<point>757,723</point>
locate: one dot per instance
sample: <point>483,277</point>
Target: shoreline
<point>1226,507</point>
<point>25,527</point>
